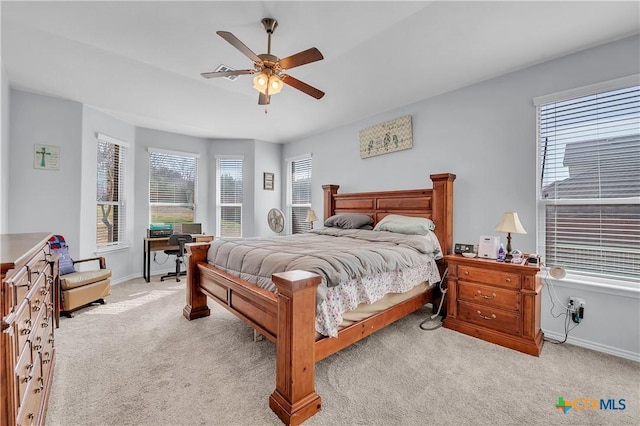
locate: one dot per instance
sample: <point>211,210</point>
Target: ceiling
<point>141,61</point>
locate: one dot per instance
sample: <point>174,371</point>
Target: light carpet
<point>138,361</point>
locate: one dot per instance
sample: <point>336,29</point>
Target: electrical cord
<point>567,313</point>
<point>437,314</point>
<point>159,263</point>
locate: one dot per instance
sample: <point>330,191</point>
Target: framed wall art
<point>391,136</point>
<point>268,181</point>
<point>46,157</point>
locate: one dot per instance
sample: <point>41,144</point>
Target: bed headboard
<point>435,203</point>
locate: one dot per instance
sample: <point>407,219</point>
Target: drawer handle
<point>493,316</point>
<point>484,296</point>
<point>508,279</point>
<point>466,272</point>
<point>26,379</point>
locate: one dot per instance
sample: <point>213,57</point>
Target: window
<point>172,186</point>
<point>229,196</point>
<point>110,200</point>
<point>299,193</point>
<point>589,177</point>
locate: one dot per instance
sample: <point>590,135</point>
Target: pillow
<point>65,263</point>
<point>348,221</point>
<point>405,225</point>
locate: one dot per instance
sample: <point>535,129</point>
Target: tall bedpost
<point>329,201</point>
<point>295,399</point>
<point>443,209</point>
<point>196,306</point>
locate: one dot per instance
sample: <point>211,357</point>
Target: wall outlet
<point>576,308</point>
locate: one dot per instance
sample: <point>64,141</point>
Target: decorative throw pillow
<point>405,225</point>
<point>65,263</point>
<point>349,221</point>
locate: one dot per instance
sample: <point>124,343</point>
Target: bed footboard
<point>286,318</point>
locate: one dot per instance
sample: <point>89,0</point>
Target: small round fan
<point>276,220</point>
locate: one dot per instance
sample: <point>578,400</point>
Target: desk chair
<point>177,240</point>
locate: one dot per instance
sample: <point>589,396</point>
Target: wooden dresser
<point>495,301</point>
<point>28,305</point>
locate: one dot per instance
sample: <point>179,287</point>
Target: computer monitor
<point>192,228</point>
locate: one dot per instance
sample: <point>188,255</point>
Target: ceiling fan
<point>270,69</point>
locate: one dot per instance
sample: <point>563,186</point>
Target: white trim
<point>172,152</point>
<point>299,157</point>
<point>605,86</point>
<point>109,139</point>
<point>587,344</point>
<point>227,157</point>
<point>607,286</point>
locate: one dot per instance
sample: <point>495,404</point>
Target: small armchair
<point>79,288</point>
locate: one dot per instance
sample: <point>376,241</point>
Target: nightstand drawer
<point>486,316</point>
<point>487,276</point>
<point>490,296</point>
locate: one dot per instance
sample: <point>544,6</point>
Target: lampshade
<point>510,223</point>
<point>311,216</point>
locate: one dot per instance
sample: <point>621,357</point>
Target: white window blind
<point>229,196</point>
<point>110,200</point>
<point>589,153</point>
<point>299,194</point>
<point>172,186</point>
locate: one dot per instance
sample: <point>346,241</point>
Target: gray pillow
<point>405,225</point>
<point>349,221</point>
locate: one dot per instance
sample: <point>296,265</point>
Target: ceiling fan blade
<point>301,86</point>
<point>264,99</point>
<point>301,58</point>
<point>235,42</point>
<point>215,74</point>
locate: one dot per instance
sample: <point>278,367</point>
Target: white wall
<point>44,200</point>
<point>486,135</point>
<point>267,160</point>
<point>4,150</point>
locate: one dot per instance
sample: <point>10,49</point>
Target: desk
<point>160,244</point>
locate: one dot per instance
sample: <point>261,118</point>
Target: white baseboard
<point>622,353</point>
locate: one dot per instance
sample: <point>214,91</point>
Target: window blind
<point>229,199</point>
<point>110,201</point>
<point>300,194</point>
<point>172,187</point>
<point>590,183</point>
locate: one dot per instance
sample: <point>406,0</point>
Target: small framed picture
<point>268,181</point>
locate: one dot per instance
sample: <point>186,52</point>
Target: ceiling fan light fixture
<point>275,84</point>
<point>267,84</point>
<point>260,82</point>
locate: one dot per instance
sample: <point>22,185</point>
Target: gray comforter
<point>334,254</point>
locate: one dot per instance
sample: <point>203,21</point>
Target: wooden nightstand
<point>495,301</point>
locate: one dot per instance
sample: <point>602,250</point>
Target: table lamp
<point>510,223</point>
<point>311,217</point>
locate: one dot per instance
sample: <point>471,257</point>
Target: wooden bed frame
<point>288,317</point>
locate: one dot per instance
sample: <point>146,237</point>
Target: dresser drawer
<point>23,325</point>
<point>487,276</point>
<point>490,317</point>
<point>25,373</point>
<point>28,410</point>
<point>39,292</point>
<point>490,296</point>
<point>19,285</point>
